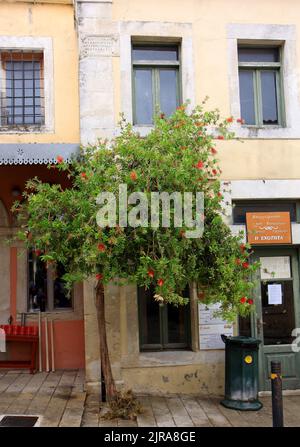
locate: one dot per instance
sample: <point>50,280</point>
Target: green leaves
<point>178,155</point>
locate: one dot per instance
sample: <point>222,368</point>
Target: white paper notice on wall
<point>275,267</point>
<point>274,294</point>
<point>211,327</point>
<point>206,314</point>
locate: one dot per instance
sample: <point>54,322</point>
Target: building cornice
<point>36,153</point>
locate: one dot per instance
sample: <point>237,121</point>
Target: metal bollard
<point>277,404</point>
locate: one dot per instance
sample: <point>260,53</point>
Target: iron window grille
<point>22,88</point>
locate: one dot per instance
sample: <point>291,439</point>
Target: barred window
<point>22,79</point>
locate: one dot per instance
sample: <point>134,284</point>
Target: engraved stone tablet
<point>99,46</point>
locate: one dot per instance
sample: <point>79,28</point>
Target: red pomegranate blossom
<point>83,175</point>
<point>229,120</point>
<point>240,120</point>
<point>214,172</point>
<point>213,150</point>
<point>133,175</point>
<point>101,247</point>
<point>59,159</point>
<point>243,300</point>
<point>160,282</point>
<point>245,265</point>
<point>151,273</point>
<point>238,261</point>
<point>200,165</point>
<point>99,276</point>
<point>220,137</point>
<point>250,301</point>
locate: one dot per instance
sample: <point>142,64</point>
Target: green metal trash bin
<point>241,373</point>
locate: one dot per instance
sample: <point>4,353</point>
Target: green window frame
<point>258,68</point>
<point>156,330</point>
<point>156,67</point>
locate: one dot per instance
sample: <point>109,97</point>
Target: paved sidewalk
<point>60,400</point>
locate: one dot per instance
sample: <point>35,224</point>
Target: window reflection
<point>46,288</point>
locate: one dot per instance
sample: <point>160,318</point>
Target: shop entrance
<point>277,314</point>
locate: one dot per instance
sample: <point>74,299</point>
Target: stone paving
<point>60,400</point>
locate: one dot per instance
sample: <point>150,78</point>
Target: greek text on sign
<point>211,327</point>
<point>269,228</point>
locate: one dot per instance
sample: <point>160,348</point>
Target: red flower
<point>133,175</point>
<point>99,276</point>
<point>38,252</point>
<point>59,159</point>
<point>182,233</point>
<point>83,175</point>
<point>229,120</point>
<point>160,282</point>
<point>151,273</point>
<point>238,261</point>
<point>214,171</point>
<point>220,137</point>
<point>200,165</point>
<point>250,301</point>
<point>240,120</point>
<point>245,265</point>
<point>220,195</point>
<point>243,300</point>
<point>213,150</point>
<point>162,116</point>
<point>242,248</point>
<point>101,247</point>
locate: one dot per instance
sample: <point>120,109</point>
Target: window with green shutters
<point>261,92</point>
<point>156,86</point>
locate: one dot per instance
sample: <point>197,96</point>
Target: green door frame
<point>257,319</point>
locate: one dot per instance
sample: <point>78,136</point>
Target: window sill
<point>265,132</point>
<point>143,130</point>
<point>25,129</point>
<point>173,358</point>
<point>54,311</point>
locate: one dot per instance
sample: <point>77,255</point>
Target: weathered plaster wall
<point>53,22</point>
<point>171,372</point>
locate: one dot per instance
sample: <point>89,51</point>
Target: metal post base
<point>254,405</point>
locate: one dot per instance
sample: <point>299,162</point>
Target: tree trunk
<point>110,385</point>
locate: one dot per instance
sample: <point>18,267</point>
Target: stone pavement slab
<point>60,400</point>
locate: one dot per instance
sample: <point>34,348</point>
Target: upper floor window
<point>260,85</point>
<point>22,88</point>
<point>155,81</point>
<point>46,288</point>
<point>162,326</point>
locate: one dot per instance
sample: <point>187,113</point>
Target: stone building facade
<point>245,57</point>
<point>106,57</point>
